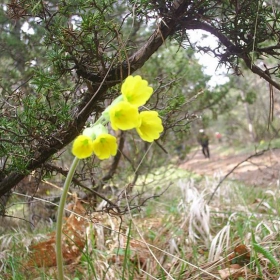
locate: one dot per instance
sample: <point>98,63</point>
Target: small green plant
<point>259,249</point>
<point>122,114</point>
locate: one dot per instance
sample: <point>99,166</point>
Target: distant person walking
<point>203,140</point>
<point>218,136</point>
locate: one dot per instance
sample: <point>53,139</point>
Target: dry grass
<point>176,236</point>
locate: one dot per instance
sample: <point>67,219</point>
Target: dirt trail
<point>262,170</point>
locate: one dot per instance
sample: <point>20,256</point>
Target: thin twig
<point>79,183</point>
<point>232,170</point>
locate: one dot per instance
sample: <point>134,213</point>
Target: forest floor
<point>260,168</point>
<point>173,234</point>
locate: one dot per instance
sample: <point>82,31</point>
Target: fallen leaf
<point>43,254</point>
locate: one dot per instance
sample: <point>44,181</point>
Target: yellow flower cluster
<point>123,114</point>
<point>103,146</point>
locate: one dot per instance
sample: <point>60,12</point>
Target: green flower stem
<point>59,256</point>
<point>100,120</point>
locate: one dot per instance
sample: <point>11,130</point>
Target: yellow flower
<point>105,145</point>
<point>136,91</point>
<point>124,116</point>
<point>151,126</point>
<point>82,147</point>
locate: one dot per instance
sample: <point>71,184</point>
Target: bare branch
<point>232,170</point>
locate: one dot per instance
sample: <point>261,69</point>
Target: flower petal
<point>105,145</point>
<point>82,147</point>
<point>136,91</point>
<point>124,116</point>
<point>151,126</point>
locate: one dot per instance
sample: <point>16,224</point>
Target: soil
<point>261,169</point>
